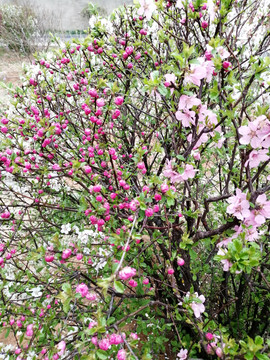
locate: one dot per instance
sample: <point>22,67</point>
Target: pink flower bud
<point>180,261</point>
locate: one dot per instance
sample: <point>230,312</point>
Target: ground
<point>10,70</point>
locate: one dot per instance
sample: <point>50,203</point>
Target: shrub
<point>135,189</point>
<point>23,29</point>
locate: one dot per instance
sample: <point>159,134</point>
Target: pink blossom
<point>29,330</point>
<point>209,336</point>
<point>56,167</point>
<point>82,289</point>
<point>92,324</point>
<point>133,283</point>
<point>239,205</point>
<point>121,355</point>
<point>226,65</point>
<point>169,80</point>
<point>104,344</point>
<point>183,354</point>
<point>62,347</point>
<point>147,8</point>
<point>226,263</point>
<point>262,209</point>
<point>180,261</point>
<point>127,273</point>
<point>119,100</point>
<point>204,24</point>
<point>198,308</point>
<point>91,296</point>
<point>66,254</point>
<point>195,75</point>
<point>170,271</point>
<point>100,102</point>
<point>255,157</point>
<point>134,336</point>
<point>223,53</point>
<point>116,339</point>
<point>189,172</point>
<point>149,212</point>
<point>251,134</point>
<point>187,117</point>
<point>187,102</point>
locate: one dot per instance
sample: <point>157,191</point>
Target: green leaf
<point>7,333</point>
<point>101,354</point>
<point>119,287</point>
<point>66,305</point>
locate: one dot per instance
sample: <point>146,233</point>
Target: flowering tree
<point>135,189</point>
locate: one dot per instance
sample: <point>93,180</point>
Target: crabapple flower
<point>180,261</point>
<point>189,172</point>
<point>119,100</point>
<point>62,347</point>
<point>104,344</point>
<point>66,254</point>
<point>82,289</point>
<point>127,273</point>
<point>239,205</point>
<point>209,336</point>
<point>255,157</point>
<point>198,308</point>
<point>65,229</point>
<point>29,330</point>
<point>182,355</point>
<point>121,355</point>
<point>226,65</point>
<point>147,8</point>
<point>149,212</point>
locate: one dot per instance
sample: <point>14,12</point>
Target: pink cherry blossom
<point>170,78</point>
<point>187,118</point>
<point>262,209</point>
<point>250,134</point>
<point>226,263</point>
<point>147,8</point>
<point>223,53</point>
<point>182,355</point>
<point>239,205</point>
<point>179,4</point>
<point>198,308</point>
<point>255,157</point>
<point>195,75</point>
<point>189,172</point>
<point>187,102</point>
